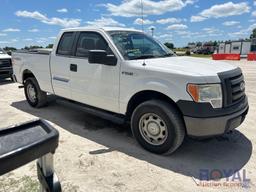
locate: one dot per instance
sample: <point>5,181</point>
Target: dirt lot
<point>97,155</point>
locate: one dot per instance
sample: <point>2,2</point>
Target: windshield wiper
<point>143,57</point>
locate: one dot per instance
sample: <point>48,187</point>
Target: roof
<point>101,28</point>
<point>236,41</point>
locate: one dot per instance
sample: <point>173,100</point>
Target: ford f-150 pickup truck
<point>126,73</point>
<point>5,65</point>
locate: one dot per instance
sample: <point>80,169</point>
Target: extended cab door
<point>94,84</point>
<point>60,65</point>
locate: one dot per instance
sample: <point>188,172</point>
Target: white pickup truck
<point>126,73</point>
<point>5,65</point>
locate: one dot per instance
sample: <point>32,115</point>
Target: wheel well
<point>27,74</point>
<point>143,96</point>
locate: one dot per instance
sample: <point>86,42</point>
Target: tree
<point>32,47</point>
<point>169,45</point>
<point>199,44</point>
<point>49,46</point>
<point>253,35</point>
<point>9,48</point>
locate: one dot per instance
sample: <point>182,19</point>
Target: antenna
<point>142,26</point>
<point>142,15</point>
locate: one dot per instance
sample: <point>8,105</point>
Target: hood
<point>5,56</point>
<point>188,65</point>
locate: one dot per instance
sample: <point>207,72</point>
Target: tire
<point>38,98</point>
<point>158,126</point>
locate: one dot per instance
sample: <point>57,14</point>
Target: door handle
<point>73,67</point>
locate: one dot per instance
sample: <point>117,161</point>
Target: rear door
<point>94,84</point>
<point>60,65</point>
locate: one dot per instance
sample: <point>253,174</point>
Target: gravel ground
<point>97,155</point>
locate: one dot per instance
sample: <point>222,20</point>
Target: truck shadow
<point>229,152</point>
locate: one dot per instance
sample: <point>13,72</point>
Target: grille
<point>232,86</point>
<point>5,63</point>
<point>237,86</point>
<point>4,72</point>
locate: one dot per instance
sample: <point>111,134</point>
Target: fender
<point>167,88</point>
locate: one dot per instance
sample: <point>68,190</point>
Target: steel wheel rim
<point>31,93</point>
<point>153,129</point>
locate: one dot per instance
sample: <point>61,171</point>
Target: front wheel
<point>34,95</point>
<point>158,126</point>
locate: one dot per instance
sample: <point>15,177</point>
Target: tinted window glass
<point>65,45</point>
<point>91,41</point>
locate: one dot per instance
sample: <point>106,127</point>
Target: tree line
<point>27,47</point>
<point>209,43</point>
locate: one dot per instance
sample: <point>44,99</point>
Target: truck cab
<point>128,73</point>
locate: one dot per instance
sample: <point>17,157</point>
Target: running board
<point>116,118</point>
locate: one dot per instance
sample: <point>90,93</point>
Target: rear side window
<point>91,41</point>
<point>65,44</point>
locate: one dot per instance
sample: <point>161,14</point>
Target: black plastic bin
<point>23,143</point>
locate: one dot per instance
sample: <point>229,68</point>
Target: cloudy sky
<point>34,22</point>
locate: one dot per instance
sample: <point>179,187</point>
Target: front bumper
<point>204,123</point>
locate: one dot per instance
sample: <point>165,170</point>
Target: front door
<point>94,84</point>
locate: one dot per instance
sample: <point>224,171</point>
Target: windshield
<point>137,45</point>
<point>2,51</point>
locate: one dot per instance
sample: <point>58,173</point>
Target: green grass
<point>24,184</point>
<point>201,55</point>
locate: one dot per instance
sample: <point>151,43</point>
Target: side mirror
<point>101,57</point>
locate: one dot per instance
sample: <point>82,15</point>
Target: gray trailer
<point>237,47</point>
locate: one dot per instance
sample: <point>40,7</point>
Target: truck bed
<point>37,61</point>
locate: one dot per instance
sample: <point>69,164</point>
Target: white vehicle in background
<point>5,65</point>
<point>126,73</point>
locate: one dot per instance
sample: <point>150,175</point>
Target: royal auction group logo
<point>222,178</point>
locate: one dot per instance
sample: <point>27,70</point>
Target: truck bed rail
<point>36,51</point>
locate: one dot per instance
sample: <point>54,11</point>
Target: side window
<point>65,44</point>
<point>91,41</point>
<point>236,48</point>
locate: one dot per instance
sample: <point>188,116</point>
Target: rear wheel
<point>34,95</point>
<point>158,126</point>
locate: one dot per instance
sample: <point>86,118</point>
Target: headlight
<point>207,93</point>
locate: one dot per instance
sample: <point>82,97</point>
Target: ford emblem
<point>242,86</point>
